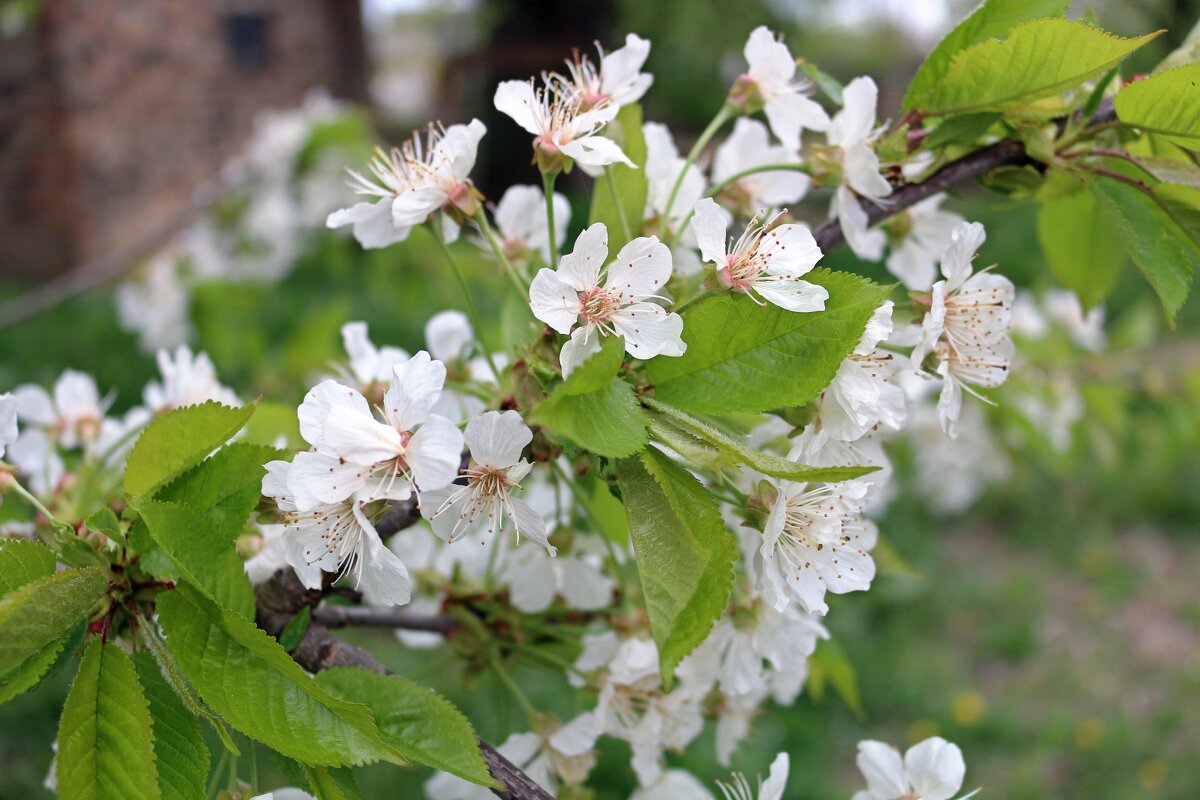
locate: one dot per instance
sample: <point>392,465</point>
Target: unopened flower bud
<point>549,159</point>
<point>746,96</point>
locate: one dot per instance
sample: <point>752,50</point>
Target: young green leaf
<point>608,422</point>
<point>684,553</point>
<point>104,736</point>
<point>180,753</point>
<point>105,521</point>
<point>202,552</point>
<point>623,209</point>
<point>745,357</point>
<point>23,562</point>
<point>179,440</point>
<point>1083,249</point>
<point>1151,239</point>
<point>247,678</point>
<point>225,486</point>
<point>1166,103</point>
<point>741,452</point>
<point>414,719</point>
<point>41,612</point>
<point>991,19</point>
<point>1036,60</point>
<point>962,129</point>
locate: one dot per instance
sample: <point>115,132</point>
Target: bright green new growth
<point>178,440</point>
<point>1166,103</point>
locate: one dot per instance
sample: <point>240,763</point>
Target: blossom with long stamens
<point>770,83</point>
<point>766,259</point>
<point>618,79</point>
<point>357,455</point>
<point>572,299</point>
<point>815,540</point>
<point>967,325</point>
<point>862,394</point>
<point>770,789</point>
<point>485,503</point>
<point>338,538</point>
<point>563,128</point>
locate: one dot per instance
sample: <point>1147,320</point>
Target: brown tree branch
<point>1008,152</point>
<point>344,616</point>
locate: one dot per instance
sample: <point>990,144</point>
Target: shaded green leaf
<point>41,612</point>
<point>684,553</point>
<point>1082,248</point>
<point>746,357</point>
<point>247,678</point>
<point>415,720</point>
<point>328,783</point>
<point>605,512</point>
<point>23,562</point>
<point>178,440</point>
<point>608,422</point>
<point>104,736</point>
<point>180,753</point>
<point>962,129</point>
<point>595,373</point>
<point>1166,103</point>
<point>29,672</point>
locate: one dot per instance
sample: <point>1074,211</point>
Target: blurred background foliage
<point>1052,631</point>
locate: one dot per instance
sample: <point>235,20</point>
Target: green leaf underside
<point>40,612</point>
<point>225,487</point>
<point>1151,240</point>
<point>1083,249</point>
<point>104,736</point>
<point>203,553</point>
<point>1166,103</point>
<point>608,422</point>
<point>26,675</point>
<point>23,562</point>
<point>180,753</point>
<point>1036,60</point>
<point>684,553</point>
<point>415,720</point>
<point>631,184</point>
<point>737,449</point>
<point>328,783</point>
<point>177,441</point>
<point>247,678</point>
<point>990,20</point>
<point>962,129</point>
<point>746,357</point>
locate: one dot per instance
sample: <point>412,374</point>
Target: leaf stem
<point>737,176</point>
<point>472,312</point>
<point>626,230</point>
<point>548,179</point>
<point>509,269</point>
<point>726,113</point>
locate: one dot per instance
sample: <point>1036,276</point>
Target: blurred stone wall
<point>113,111</point>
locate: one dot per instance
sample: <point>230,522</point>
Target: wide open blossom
<point>765,261</point>
<point>411,183</point>
<point>370,366</point>
<point>336,537</point>
<point>930,770</point>
<point>919,235</point>
<point>8,421</point>
<point>749,147</point>
<point>770,83</point>
<point>72,417</point>
<point>356,454</point>
<point>618,80</point>
<point>863,393</point>
<point>851,132</point>
<point>521,224</point>
<point>572,300</point>
<point>967,325</point>
<point>770,789</point>
<point>561,125</point>
<point>816,541</point>
<point>485,504</point>
<point>187,380</point>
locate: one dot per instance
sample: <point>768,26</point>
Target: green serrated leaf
<point>40,612</point>
<point>1082,248</point>
<point>990,20</point>
<point>1151,240</point>
<point>684,553</point>
<point>608,422</point>
<point>963,129</point>
<point>1166,103</point>
<point>178,440</point>
<point>23,562</point>
<point>623,209</point>
<point>691,447</point>
<point>181,756</point>
<point>1036,60</point>
<point>104,736</point>
<point>203,553</point>
<point>745,357</point>
<point>247,678</point>
<point>328,783</point>
<point>740,451</point>
<point>293,633</point>
<point>104,520</point>
<point>30,671</point>
<point>225,486</point>
<point>414,719</point>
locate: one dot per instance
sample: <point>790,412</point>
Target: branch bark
<point>1008,152</point>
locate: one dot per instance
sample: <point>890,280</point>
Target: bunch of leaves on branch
<point>659,482</point>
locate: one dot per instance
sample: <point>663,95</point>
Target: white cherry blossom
<point>923,233</point>
<point>36,457</point>
<point>770,789</point>
<point>765,261</point>
<point>272,554</point>
<point>451,340</point>
<point>850,132</point>
<point>187,380</point>
<point>336,537</point>
<point>485,503</point>
<point>370,366</point>
<point>8,421</point>
<point>748,147</point>
<point>572,299</point>
<point>521,224</point>
<point>71,417</point>
<point>863,394</point>
<point>154,304</point>
<point>561,125</point>
<point>533,754</point>
<point>673,784</point>
<point>931,770</point>
<point>618,80</point>
<point>535,579</point>
<point>771,81</point>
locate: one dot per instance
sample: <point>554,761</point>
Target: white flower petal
<point>554,301</point>
<point>416,386</point>
<point>435,453</point>
<point>711,230</point>
<point>496,439</point>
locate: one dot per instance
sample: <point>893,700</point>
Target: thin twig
<point>346,616</point>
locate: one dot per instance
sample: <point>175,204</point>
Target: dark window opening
<point>246,38</point>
